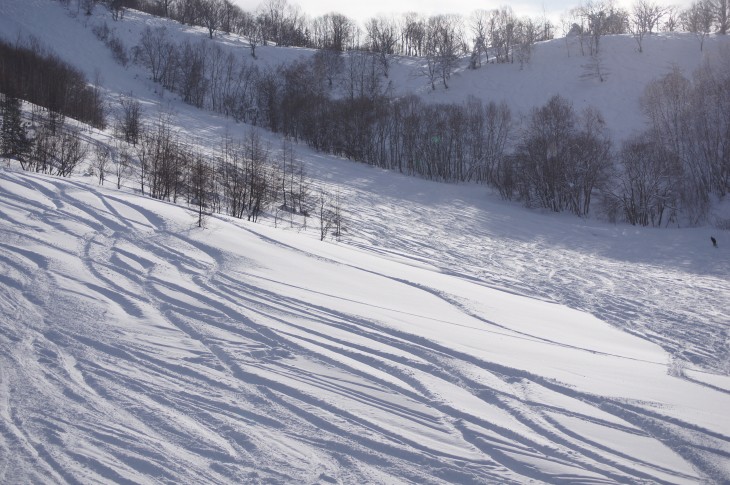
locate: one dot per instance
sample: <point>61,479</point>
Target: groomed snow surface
<point>449,337</point>
<point>135,347</point>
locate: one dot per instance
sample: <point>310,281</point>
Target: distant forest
<point>338,102</point>
<point>30,73</point>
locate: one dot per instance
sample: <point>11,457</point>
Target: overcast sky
<point>363,9</point>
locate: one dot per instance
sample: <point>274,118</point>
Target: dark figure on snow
<point>714,241</point>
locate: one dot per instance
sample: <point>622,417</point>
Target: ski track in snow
<point>133,348</point>
<point>669,298</point>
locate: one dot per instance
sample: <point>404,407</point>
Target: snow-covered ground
<point>555,67</point>
<point>137,347</point>
<point>449,337</point>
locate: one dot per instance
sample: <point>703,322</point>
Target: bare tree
<point>328,65</point>
<point>222,78</point>
<point>157,52</point>
<point>544,153</point>
<point>492,137</point>
<point>479,26</point>
<point>68,152</point>
<point>324,212</point>
<point>502,33</point>
<point>211,14</point>
<point>690,122</point>
<point>143,152</point>
<point>161,162</point>
<point>334,31</point>
<point>40,156</point>
<point>444,43</point>
<point>362,75</point>
<point>571,29</point>
<point>295,28</point>
<point>165,7</point>
<point>430,68</point>
<point>256,37</point>
<point>300,190</point>
<point>128,123</point>
<point>282,23</point>
<point>413,34</point>
<point>268,90</point>
<point>29,72</point>
<point>187,12</point>
<point>229,15</point>
<point>617,20</point>
<point>709,126</point>
<point>192,83</point>
<point>648,182</point>
<point>101,161</point>
<point>257,160</point>
<point>721,11</point>
<point>337,215</point>
<point>87,6</point>
<point>645,17</point>
<point>291,185</point>
<point>122,163</point>
<point>117,8</point>
<point>591,161</point>
<point>56,150</point>
<point>382,39</point>
<point>595,15</point>
<point>562,158</point>
<point>698,19</point>
<point>664,103</point>
<point>201,186</point>
<point>272,14</point>
<point>526,34</point>
<point>286,168</point>
<point>233,179</point>
<point>672,19</point>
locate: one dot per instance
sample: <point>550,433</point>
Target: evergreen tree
<point>14,141</point>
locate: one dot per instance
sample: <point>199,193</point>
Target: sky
<point>362,10</point>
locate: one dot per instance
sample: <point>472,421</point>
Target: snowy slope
<point>136,347</point>
<point>450,337</point>
<point>556,67</point>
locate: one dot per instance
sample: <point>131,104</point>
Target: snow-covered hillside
<point>135,347</point>
<point>449,337</point>
<point>556,67</point>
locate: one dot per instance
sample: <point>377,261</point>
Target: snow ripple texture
<point>135,347</point>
